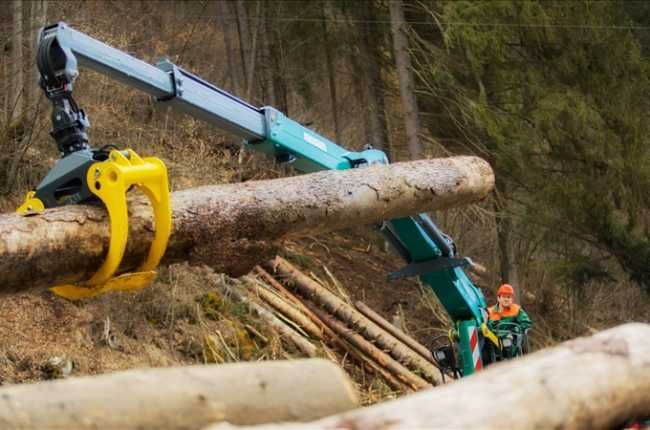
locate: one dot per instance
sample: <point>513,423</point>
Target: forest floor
<point>183,319</point>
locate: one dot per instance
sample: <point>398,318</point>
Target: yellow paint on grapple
<point>31,206</point>
<point>489,334</point>
<point>110,180</point>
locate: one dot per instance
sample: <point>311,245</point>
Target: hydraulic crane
<point>84,174</point>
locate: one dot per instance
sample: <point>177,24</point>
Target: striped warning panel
<point>476,350</point>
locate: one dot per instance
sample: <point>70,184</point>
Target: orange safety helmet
<point>505,290</point>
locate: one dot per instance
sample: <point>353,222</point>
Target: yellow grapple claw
<point>110,180</point>
<point>32,205</point>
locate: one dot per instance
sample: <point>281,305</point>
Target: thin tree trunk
<point>370,37</point>
<point>278,71</point>
<point>405,74</point>
<point>244,37</point>
<point>233,227</point>
<point>331,73</point>
<point>507,268</point>
<point>252,59</point>
<point>228,23</point>
<point>16,77</point>
<point>181,398</point>
<point>267,67</point>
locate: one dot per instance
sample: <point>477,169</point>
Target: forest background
<point>555,95</point>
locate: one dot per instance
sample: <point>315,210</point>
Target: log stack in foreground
<point>181,398</point>
<point>597,382</point>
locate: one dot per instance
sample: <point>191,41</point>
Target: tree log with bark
<point>181,398</point>
<point>355,319</point>
<point>233,227</point>
<point>596,382</point>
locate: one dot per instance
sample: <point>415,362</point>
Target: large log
<point>597,382</point>
<point>314,291</point>
<point>233,227</point>
<point>181,398</point>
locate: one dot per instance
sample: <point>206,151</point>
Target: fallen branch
<point>233,227</point>
<point>181,398</point>
<point>312,290</point>
<point>596,382</point>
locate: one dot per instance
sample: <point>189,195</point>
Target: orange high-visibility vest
<point>496,315</point>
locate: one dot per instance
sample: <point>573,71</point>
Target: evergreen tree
<point>555,95</point>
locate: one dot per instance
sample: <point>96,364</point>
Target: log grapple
<point>86,175</point>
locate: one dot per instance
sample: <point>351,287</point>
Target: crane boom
<point>429,253</point>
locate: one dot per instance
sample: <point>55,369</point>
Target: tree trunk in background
<point>37,20</point>
<point>361,93</point>
<point>268,93</point>
<point>507,268</point>
<point>372,68</point>
<point>227,20</point>
<point>16,62</point>
<point>331,73</point>
<point>234,227</point>
<point>405,74</point>
<point>30,10</point>
<point>244,39</point>
<point>251,61</point>
<point>278,69</point>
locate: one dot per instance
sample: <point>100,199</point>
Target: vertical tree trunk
<point>269,85</point>
<point>507,268</point>
<point>244,37</point>
<point>376,109</point>
<point>279,78</point>
<point>331,73</point>
<point>252,58</point>
<point>227,21</point>
<point>405,74</point>
<point>16,65</point>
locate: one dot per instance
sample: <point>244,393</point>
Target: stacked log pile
<point>308,310</point>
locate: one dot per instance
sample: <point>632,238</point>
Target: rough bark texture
<point>397,333</point>
<point>16,76</point>
<point>343,346</point>
<point>376,354</point>
<point>286,332</point>
<point>597,382</point>
<point>232,227</point>
<point>181,398</point>
<point>289,311</point>
<point>355,319</point>
<point>405,74</point>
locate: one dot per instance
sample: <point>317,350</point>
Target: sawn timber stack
<point>233,227</point>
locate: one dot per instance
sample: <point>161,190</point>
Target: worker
<point>505,311</point>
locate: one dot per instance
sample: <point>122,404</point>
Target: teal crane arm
<point>429,253</point>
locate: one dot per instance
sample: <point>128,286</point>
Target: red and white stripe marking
<point>473,343</point>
